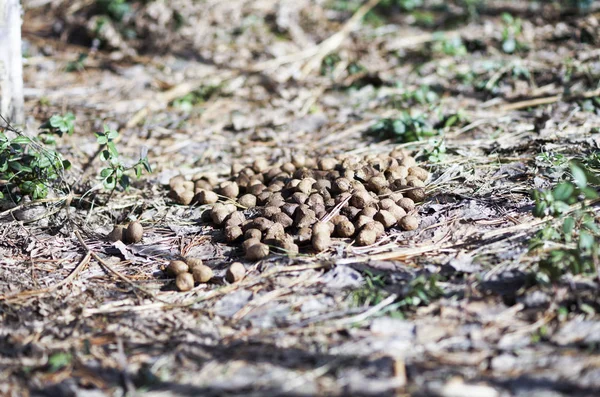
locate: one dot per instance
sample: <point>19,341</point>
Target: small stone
<point>283,219</point>
<point>249,243</point>
<point>416,194</point>
<point>327,164</point>
<point>361,199</point>
<point>321,241</point>
<point>397,211</point>
<point>369,211</point>
<point>192,262</point>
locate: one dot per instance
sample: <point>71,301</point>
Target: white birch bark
<point>11,63</point>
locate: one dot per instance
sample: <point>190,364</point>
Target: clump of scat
<point>190,271</point>
<point>307,202</point>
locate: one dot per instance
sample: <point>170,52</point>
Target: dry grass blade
<point>26,294</point>
<point>333,42</point>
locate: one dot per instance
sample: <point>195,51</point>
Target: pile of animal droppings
<point>307,202</point>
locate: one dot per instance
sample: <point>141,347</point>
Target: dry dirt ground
<point>455,308</point>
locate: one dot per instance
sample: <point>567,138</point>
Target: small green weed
<point>56,125</point>
<point>196,97</point>
<point>453,46</point>
<point>116,174</point>
<point>372,292</point>
<point>115,9</point>
<point>436,151</point>
<point>59,360</point>
<point>498,72</point>
<point>404,128</point>
<point>329,63</point>
<point>407,5</point>
<point>575,246</point>
<point>26,166</point>
<point>421,290</point>
<point>78,65</point>
<point>511,32</point>
<point>423,95</point>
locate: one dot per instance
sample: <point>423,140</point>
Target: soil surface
<point>494,107</point>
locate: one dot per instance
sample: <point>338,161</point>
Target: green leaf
<point>586,241</point>
<point>124,181</point>
<point>105,155</point>
<point>589,193</point>
<point>147,165</point>
<point>21,140</point>
<point>110,183</point>
<point>59,360</point>
<point>563,191</point>
<point>40,191</point>
<point>568,226</point>
<point>19,167</point>
<point>451,121</point>
<point>112,149</point>
<point>579,176</point>
<point>106,172</point>
<point>399,127</point>
<point>110,134</point>
<point>559,207</point>
<point>101,138</point>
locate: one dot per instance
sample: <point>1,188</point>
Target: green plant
<point>436,151</point>
<point>26,166</point>
<point>116,9</point>
<point>510,33</point>
<point>57,125</point>
<point>574,247</point>
<point>407,5</point>
<point>422,95</point>
<point>560,198</point>
<point>421,290</point>
<point>59,360</point>
<point>78,64</point>
<point>515,69</point>
<point>196,97</point>
<point>453,46</point>
<point>404,128</point>
<point>372,292</point>
<point>116,174</point>
<point>329,63</point>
